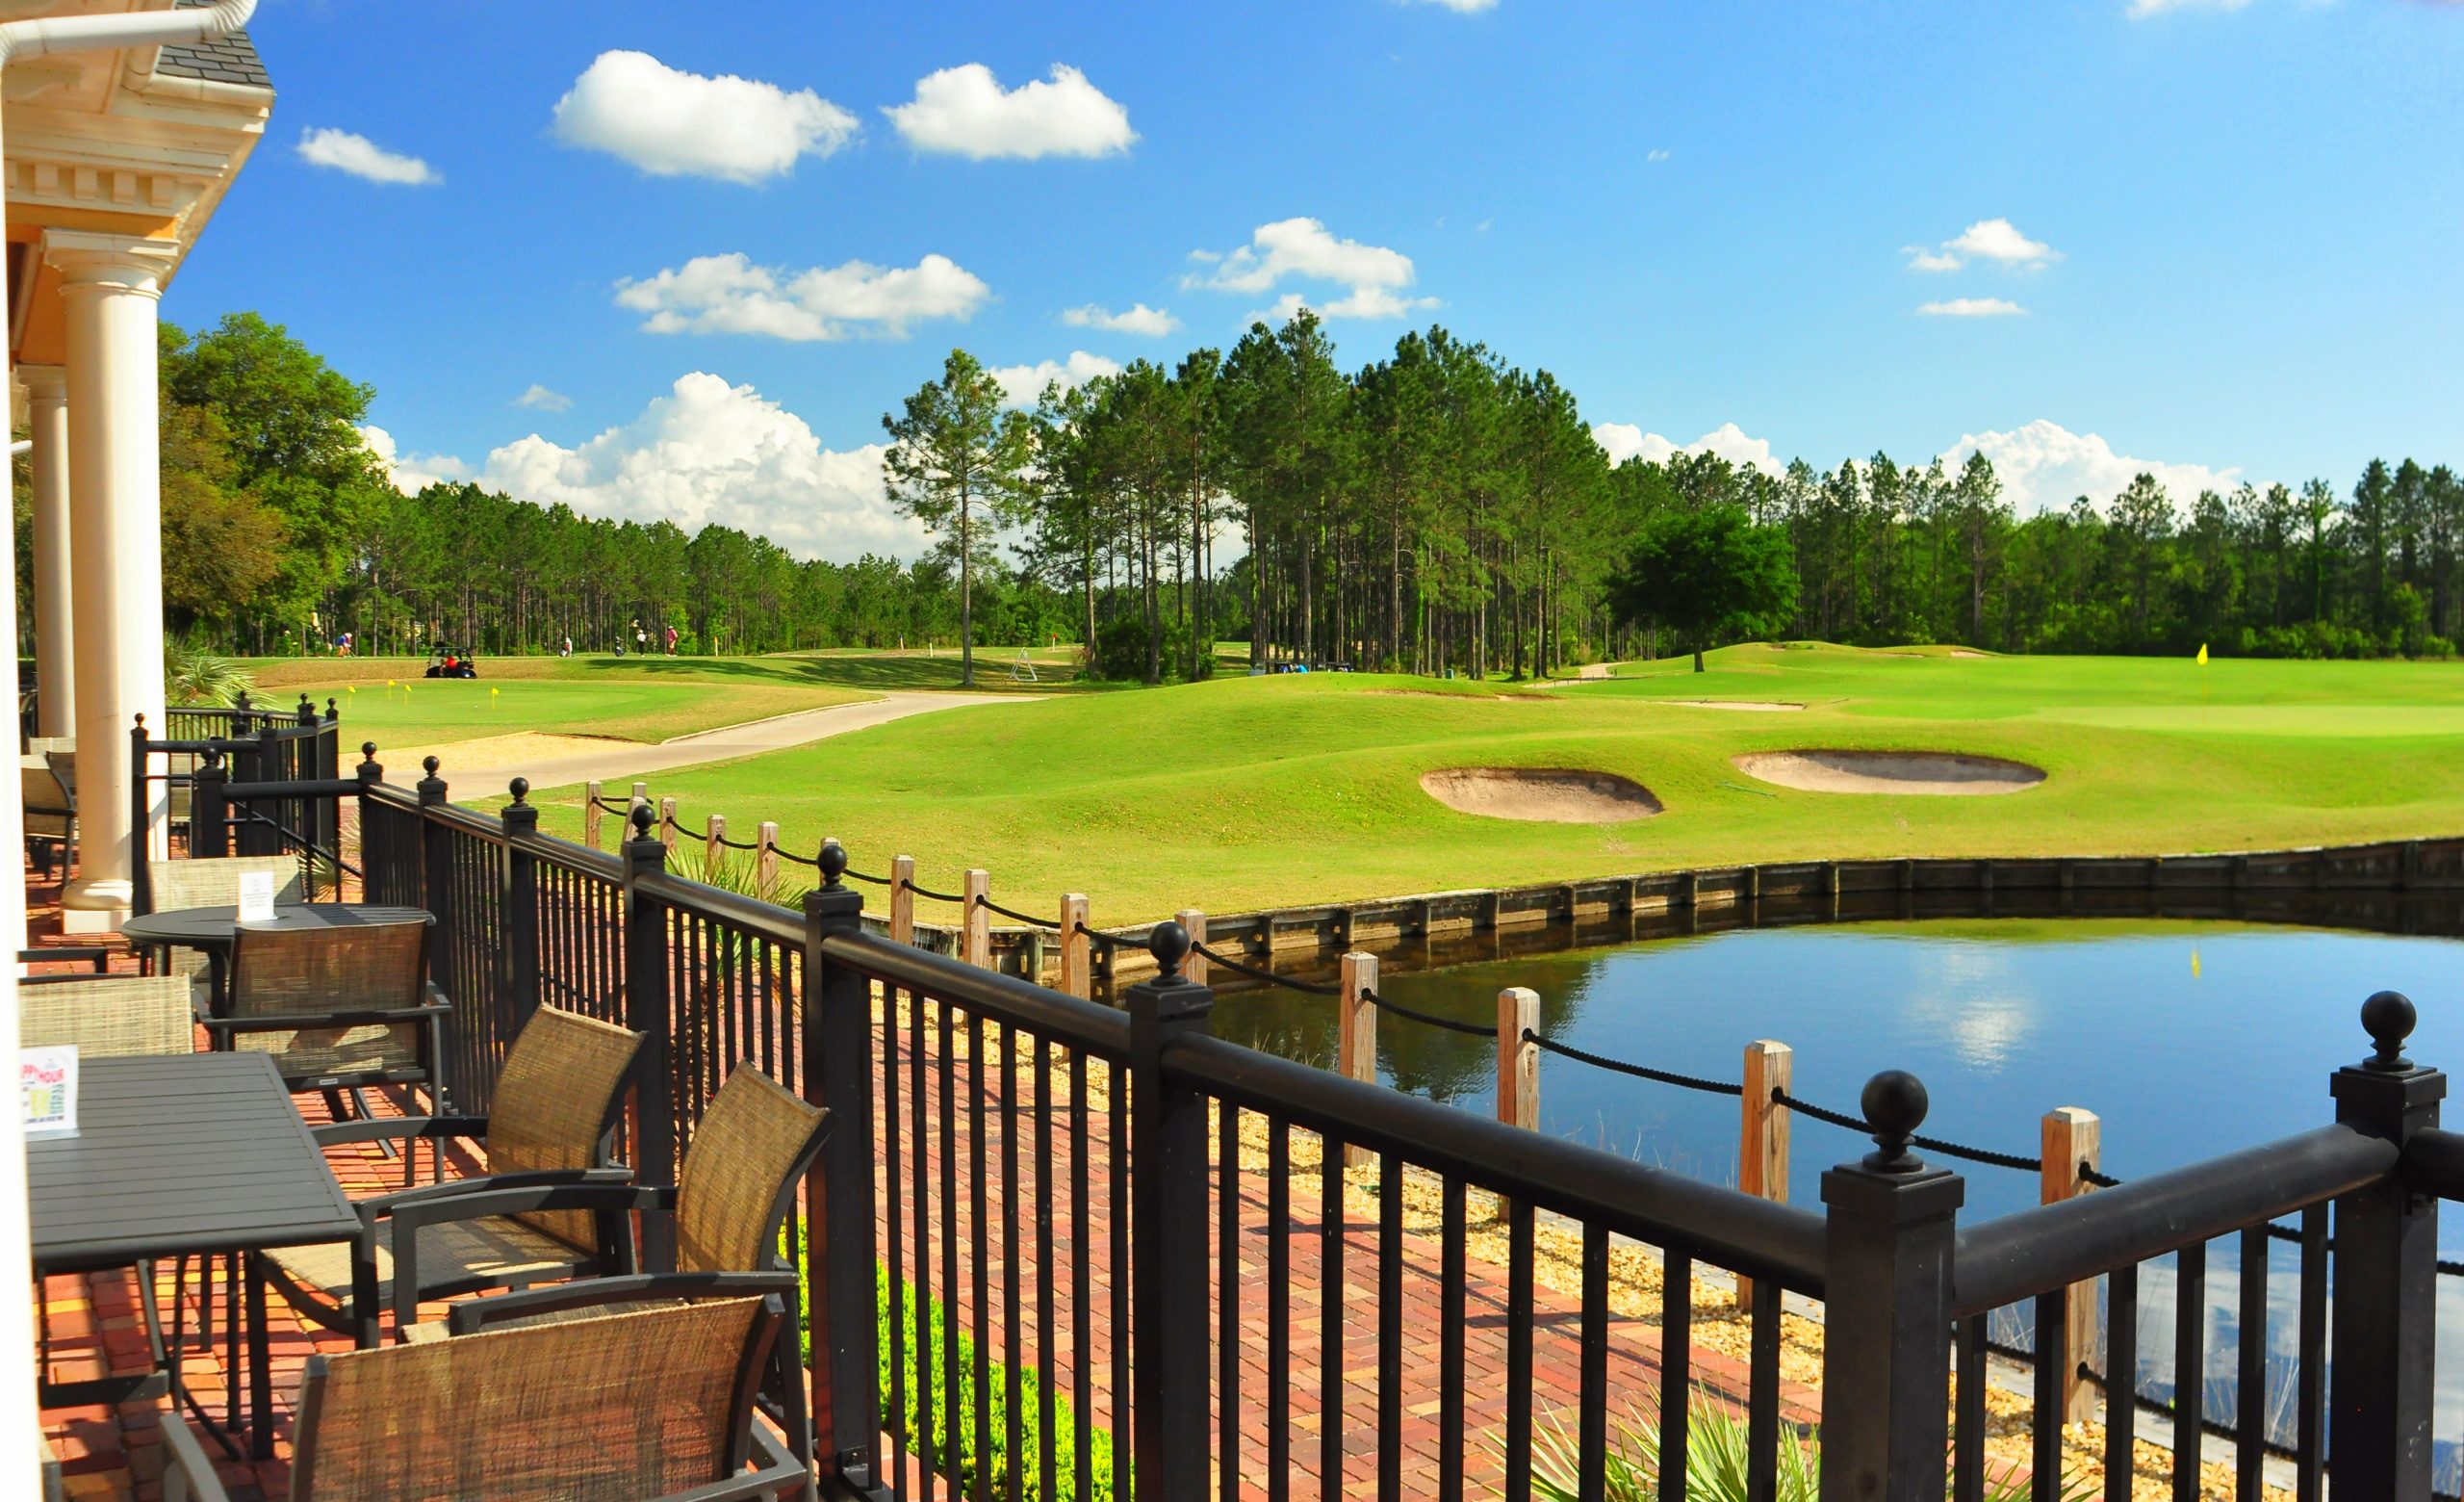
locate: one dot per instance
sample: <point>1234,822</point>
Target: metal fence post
<point>2071,1145</point>
<point>1519,1057</point>
<point>2381,1350</point>
<point>369,773</point>
<point>1170,1397</point>
<point>645,1011</point>
<point>209,829</point>
<point>1885,1362</point>
<point>517,966</point>
<point>1762,1137</point>
<point>140,844</point>
<point>838,1243</point>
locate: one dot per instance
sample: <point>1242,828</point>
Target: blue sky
<point>2233,234</point>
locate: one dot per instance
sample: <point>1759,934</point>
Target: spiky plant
<point>194,675</point>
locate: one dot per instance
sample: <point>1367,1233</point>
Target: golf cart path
<point>626,762</point>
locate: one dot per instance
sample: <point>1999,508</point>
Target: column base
<point>95,907</point>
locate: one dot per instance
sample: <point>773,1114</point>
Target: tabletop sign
<point>50,1078</point>
<point>256,897</point>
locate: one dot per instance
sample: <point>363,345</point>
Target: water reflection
<point>2182,1058</point>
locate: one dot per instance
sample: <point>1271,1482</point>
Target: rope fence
<point>990,906</point>
<point>1313,988</point>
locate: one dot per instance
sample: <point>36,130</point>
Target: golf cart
<point>448,662</point>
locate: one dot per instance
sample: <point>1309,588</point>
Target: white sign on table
<point>256,897</point>
<point>49,1075</point>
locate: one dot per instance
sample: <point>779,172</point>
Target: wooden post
<point>1518,1059</point>
<point>1193,922</point>
<point>1357,1030</point>
<point>2074,1140</point>
<point>976,921</point>
<point>590,814</point>
<point>667,825</point>
<point>902,899</point>
<point>1077,974</point>
<point>1762,1139</point>
<point>765,860</point>
<point>714,834</point>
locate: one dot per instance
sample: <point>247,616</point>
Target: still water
<point>2188,1039</point>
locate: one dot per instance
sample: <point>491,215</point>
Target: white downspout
<point>20,1416</point>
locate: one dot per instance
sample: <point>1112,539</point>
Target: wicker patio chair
<point>551,1137</point>
<point>733,1197</point>
<point>106,1015</point>
<point>51,814</point>
<point>340,1009</point>
<point>651,1406</point>
<point>210,882</point>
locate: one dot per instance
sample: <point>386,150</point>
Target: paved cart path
<point>625,760</point>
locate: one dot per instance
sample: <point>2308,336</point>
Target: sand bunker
<point>1935,772</point>
<point>1756,705</point>
<point>492,753</point>
<point>1541,795</point>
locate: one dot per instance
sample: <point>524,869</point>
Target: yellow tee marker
<point>2202,654</point>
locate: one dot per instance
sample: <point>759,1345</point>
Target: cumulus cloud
<point>2044,466</point>
<point>1971,307</point>
<point>672,123</point>
<point>1656,154</point>
<point>2143,8</point>
<point>729,295</point>
<point>539,399</point>
<point>1023,385</point>
<point>966,111</point>
<point>1625,441</point>
<point>411,472</point>
<point>1139,319</point>
<point>1302,249</point>
<point>361,157</point>
<point>707,453</point>
<point>1994,240</point>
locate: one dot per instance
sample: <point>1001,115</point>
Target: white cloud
<point>966,111</point>
<point>361,157</point>
<point>1971,307</point>
<point>1625,441</point>
<point>672,123</point>
<point>1154,322</point>
<point>541,400</point>
<point>1302,249</point>
<point>1023,385</point>
<point>2044,466</point>
<point>1464,7</point>
<point>1656,154</point>
<point>729,295</point>
<point>2142,7</point>
<point>711,453</point>
<point>1995,240</point>
<point>411,472</point>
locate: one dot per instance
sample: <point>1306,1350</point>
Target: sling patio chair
<point>731,1204</point>
<point>212,880</point>
<point>340,1009</point>
<point>559,1097</point>
<point>650,1406</point>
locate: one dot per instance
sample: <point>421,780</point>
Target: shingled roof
<point>228,60</point>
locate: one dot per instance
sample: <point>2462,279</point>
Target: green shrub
<point>1120,649</point>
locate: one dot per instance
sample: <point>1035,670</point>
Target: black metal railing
<point>1053,1242</point>
<point>246,781</point>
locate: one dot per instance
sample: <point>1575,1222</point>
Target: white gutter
<point>21,1415</point>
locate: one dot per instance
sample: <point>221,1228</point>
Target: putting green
<point>1248,793</point>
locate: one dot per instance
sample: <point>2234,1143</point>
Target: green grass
<point>1258,792</point>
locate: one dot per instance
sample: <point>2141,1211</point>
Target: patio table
<point>192,1156</point>
<point>214,930</point>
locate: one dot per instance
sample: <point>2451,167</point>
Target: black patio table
<point>214,930</point>
<point>189,1155</point>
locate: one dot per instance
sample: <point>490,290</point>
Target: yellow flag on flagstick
<point>2202,654</point>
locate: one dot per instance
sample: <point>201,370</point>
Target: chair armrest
<point>479,1315</point>
<point>98,956</point>
<point>775,1464</point>
<point>302,1021</point>
<point>398,1128</point>
<point>188,1476</point>
<point>516,1194</point>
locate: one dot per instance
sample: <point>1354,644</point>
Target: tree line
<point>1438,508</point>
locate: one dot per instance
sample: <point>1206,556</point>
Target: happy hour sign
<point>49,1077</point>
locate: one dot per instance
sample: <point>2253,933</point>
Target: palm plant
<point>194,675</point>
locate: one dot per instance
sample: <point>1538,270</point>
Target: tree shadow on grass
<point>878,672</point>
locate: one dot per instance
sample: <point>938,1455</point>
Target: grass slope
<point>1256,792</point>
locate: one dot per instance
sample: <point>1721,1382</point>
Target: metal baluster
<point>1452,1236</point>
<point>2190,1366</point>
<point>1082,1302</point>
<point>2250,1382</point>
<point>2310,1420</point>
<point>1762,1407</point>
<point>1676,1362</point>
<point>894,1257</point>
<point>1278,1311</point>
<point>1330,1316</point>
<point>1592,1478</point>
<point>1117,1143</point>
<point>1047,1461</point>
<point>2121,1380</point>
<point>1227,1283</point>
<point>1518,1351</point>
<point>1012,1350</point>
<point>2053,1363</point>
<point>1967,1456</point>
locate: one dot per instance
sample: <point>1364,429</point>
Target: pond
<point>2189,1039</point>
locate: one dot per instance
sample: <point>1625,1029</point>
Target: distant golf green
<point>1245,791</point>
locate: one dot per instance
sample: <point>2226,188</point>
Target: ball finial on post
<point>368,750</point>
<point>519,788</point>
<point>832,861</point>
<point>429,764</point>
<point>1170,943</point>
<point>2389,1017</point>
<point>1894,1103</point>
<point>641,818</point>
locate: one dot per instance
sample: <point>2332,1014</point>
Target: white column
<point>47,466</point>
<point>111,285</point>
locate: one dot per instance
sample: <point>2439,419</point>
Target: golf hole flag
<point>2202,654</point>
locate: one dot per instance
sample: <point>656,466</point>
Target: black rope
<point>785,854</point>
<point>1470,1029</point>
<point>1857,1124</point>
<point>613,807</point>
<point>1103,941</point>
<point>1012,913</point>
<point>739,844</point>
<point>1638,1071</point>
<point>1269,977</point>
<point>2101,1181</point>
<point>856,875</point>
<point>937,896</point>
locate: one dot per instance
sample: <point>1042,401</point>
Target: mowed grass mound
<point>386,701</point>
<point>1260,791</point>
